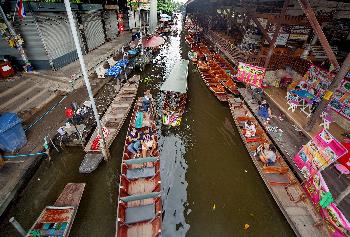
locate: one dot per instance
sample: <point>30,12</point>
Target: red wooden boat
<point>230,86</point>
<point>139,203</point>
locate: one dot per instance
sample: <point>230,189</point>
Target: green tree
<point>168,6</point>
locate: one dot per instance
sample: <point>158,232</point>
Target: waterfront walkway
<point>16,172</point>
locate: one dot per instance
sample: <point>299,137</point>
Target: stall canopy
<point>177,80</point>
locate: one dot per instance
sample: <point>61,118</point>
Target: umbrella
<point>153,42</point>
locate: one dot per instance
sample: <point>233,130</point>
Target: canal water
<point>210,186</point>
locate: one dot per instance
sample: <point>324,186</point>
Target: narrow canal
<point>210,186</point>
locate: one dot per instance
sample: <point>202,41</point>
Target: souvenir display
<point>318,153</point>
<point>341,99</point>
<point>250,74</point>
<point>318,192</point>
<point>317,80</point>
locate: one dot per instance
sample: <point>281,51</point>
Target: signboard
<point>318,154</point>
<point>250,74</point>
<point>316,188</point>
<point>298,37</point>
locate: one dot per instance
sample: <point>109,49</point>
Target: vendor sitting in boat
<point>135,143</point>
<point>148,143</point>
<point>249,129</point>
<point>267,154</point>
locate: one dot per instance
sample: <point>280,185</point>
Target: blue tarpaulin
<point>117,68</point>
<point>12,136</point>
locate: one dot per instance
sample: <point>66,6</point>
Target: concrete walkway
<point>14,174</point>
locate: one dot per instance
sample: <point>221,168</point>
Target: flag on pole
<point>20,9</point>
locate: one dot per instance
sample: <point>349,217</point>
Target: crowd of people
<point>141,138</point>
<point>174,107</point>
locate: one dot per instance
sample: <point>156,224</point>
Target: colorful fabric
<point>251,74</point>
<point>139,120</point>
<point>340,101</point>
<point>20,9</point>
<point>96,142</point>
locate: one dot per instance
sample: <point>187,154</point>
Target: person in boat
<point>249,129</point>
<point>146,121</point>
<point>135,143</point>
<point>267,155</point>
<point>146,101</point>
<point>148,143</point>
<point>264,111</point>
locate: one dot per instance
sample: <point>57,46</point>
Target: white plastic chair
<point>326,121</point>
<point>292,105</point>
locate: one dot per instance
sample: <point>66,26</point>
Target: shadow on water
<point>210,186</point>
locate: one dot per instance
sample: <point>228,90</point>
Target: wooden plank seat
<point>278,179</point>
<point>218,89</point>
<point>138,214</point>
<point>120,105</point>
<point>145,211</point>
<point>144,172</point>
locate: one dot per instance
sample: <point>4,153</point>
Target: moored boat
<point>57,220</point>
<point>139,202</point>
<point>175,94</point>
<point>111,123</point>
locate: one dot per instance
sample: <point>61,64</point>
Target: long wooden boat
<point>215,72</point>
<point>175,94</point>
<point>279,178</point>
<point>111,122</point>
<point>139,202</point>
<point>57,220</point>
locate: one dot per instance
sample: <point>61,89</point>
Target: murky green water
<point>210,186</point>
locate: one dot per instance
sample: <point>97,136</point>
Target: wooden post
<point>261,28</point>
<point>305,5</point>
<point>16,36</point>
<point>332,87</point>
<point>275,35</point>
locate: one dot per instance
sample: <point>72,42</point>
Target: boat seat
<point>120,105</point>
<point>146,172</point>
<point>277,179</point>
<point>52,232</point>
<point>138,214</point>
<point>140,160</point>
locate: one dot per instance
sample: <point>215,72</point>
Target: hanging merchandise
<point>251,74</point>
<point>318,153</point>
<point>317,190</point>
<point>341,99</point>
<point>317,81</point>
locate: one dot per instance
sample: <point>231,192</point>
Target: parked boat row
<point>139,201</point>
<point>278,177</point>
<point>215,71</point>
